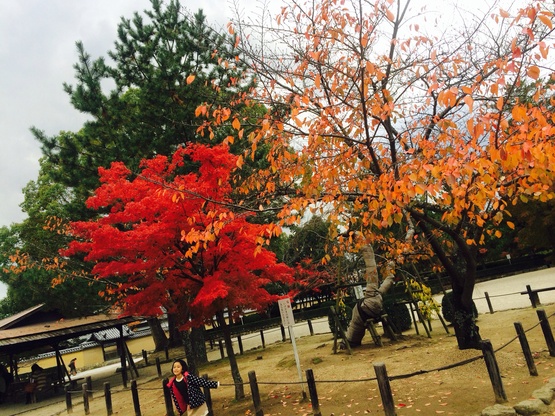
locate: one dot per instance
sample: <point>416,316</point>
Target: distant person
<point>72,367</point>
<point>31,386</point>
<point>185,390</point>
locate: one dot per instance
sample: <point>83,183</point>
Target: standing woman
<point>185,390</point>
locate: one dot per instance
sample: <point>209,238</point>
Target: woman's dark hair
<point>184,365</point>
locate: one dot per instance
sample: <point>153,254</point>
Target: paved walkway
<point>504,293</point>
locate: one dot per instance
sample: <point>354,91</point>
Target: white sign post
<point>288,320</point>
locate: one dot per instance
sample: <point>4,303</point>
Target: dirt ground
<point>345,382</point>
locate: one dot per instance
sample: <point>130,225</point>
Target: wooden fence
<point>381,378</point>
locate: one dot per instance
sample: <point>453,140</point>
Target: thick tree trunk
<point>175,336</point>
<point>461,269</point>
<point>239,388</point>
<point>158,334</point>
<point>464,321</point>
<point>195,349</point>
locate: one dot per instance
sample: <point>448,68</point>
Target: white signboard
<point>286,312</point>
<point>359,292</point>
<point>287,320</point>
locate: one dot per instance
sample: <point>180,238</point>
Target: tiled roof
<point>44,334</point>
<point>11,321</point>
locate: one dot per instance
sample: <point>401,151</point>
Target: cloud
<point>37,51</point>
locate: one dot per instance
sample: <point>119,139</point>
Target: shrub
<point>345,314</point>
<point>399,315</point>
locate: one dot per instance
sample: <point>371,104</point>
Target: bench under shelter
<point>37,330</point>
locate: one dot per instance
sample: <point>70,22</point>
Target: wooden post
<point>310,327</point>
<point>283,338</point>
<point>167,351</point>
<point>262,338</point>
<point>547,333</point>
<point>135,395</point>
<point>488,300</point>
<point>493,371</point>
<point>240,343</point>
<point>108,398</point>
<point>145,357</point>
<point>534,298</point>
<point>414,319</point>
<point>255,394</point>
<point>526,349</point>
<point>69,405</point>
<point>338,332</point>
<point>221,345</point>
<point>385,389</point>
<point>85,398</point>
<point>158,367</point>
<point>313,393</point>
<point>88,380</point>
<point>208,397</point>
<point>123,360</point>
<point>167,398</point>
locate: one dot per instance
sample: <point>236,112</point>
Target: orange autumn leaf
<point>546,20</point>
<point>236,124</point>
<point>533,72</point>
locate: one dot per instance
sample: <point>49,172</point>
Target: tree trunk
<point>464,321</point>
<point>175,336</point>
<point>158,334</point>
<point>461,269</point>
<point>189,353</point>
<point>239,388</point>
<point>195,349</point>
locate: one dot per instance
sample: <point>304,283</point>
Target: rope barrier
<point>361,380</point>
<point>400,376</point>
<point>516,337</point>
<point>498,296</point>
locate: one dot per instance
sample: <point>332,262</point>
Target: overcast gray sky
<point>37,53</point>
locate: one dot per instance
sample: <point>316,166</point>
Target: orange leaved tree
<point>172,239</point>
<point>391,117</point>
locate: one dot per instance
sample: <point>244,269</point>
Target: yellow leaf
<point>190,79</point>
<point>504,14</point>
<point>511,225</point>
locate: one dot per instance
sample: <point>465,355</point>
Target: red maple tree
<point>174,239</point>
